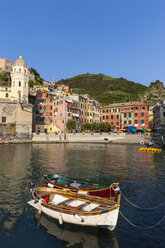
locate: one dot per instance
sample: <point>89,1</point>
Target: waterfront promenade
<point>114,138</point>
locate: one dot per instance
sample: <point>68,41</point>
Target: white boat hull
<point>105,220</point>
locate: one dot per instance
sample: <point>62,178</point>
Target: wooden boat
<point>75,236</point>
<point>79,185</point>
<point>76,208</point>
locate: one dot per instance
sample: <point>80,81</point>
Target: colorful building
<point>159,116</point>
<point>5,92</point>
<point>5,65</point>
<point>122,115</point>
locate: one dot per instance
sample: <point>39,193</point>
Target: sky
<point>65,38</point>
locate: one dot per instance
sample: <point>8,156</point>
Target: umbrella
<point>143,129</point>
<point>122,129</point>
<point>133,130</point>
<point>138,127</point>
<point>130,128</point>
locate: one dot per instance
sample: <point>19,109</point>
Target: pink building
<point>83,106</point>
<point>5,65</point>
<point>56,109</point>
<point>63,110</point>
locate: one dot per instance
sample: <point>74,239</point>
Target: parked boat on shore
<point>76,208</point>
<point>81,186</point>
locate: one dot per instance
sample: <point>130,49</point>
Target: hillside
<point>106,89</point>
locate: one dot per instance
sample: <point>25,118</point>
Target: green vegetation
<point>71,125</point>
<point>97,127</point>
<point>4,79</point>
<point>105,89</point>
<point>37,79</point>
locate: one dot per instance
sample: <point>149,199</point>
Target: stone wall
<point>18,120</point>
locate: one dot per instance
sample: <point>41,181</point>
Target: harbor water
<point>142,183</point>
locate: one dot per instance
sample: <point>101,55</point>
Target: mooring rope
<point>140,207</point>
<point>140,227</point>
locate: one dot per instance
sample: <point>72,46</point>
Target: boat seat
<point>75,203</point>
<point>90,207</point>
<point>58,199</point>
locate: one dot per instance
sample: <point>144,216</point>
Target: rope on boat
<point>140,227</point>
<point>140,207</point>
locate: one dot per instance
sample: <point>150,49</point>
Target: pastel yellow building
<point>46,128</point>
<point>90,113</point>
<point>44,88</point>
<point>5,92</point>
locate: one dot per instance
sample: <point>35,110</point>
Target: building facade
<point>19,81</point>
<point>159,116</point>
<point>5,65</point>
<point>125,114</point>
<point>16,114</point>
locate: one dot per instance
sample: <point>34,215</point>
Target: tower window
<point>19,70</point>
<point>19,83</point>
<point>13,83</point>
<point>3,118</point>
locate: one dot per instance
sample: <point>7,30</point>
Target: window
<point>50,107</point>
<point>107,117</point>
<point>68,114</point>
<point>7,94</point>
<point>13,83</point>
<point>130,115</point>
<point>19,83</point>
<point>136,114</point>
<point>111,117</point>
<point>117,116</point>
<point>135,121</point>
<point>164,114</point>
<point>19,70</point>
<point>103,111</point>
<point>3,119</point>
<point>125,115</point>
<point>117,123</point>
<point>125,122</point>
<point>107,110</point>
<point>142,114</point>
<point>103,117</point>
<point>142,107</point>
<point>130,122</point>
<point>142,121</point>
<point>112,123</point>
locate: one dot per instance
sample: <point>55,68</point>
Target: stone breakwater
<point>84,138</point>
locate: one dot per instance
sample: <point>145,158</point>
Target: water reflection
<point>77,236</point>
<point>142,182</point>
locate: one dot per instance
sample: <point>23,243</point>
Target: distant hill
<point>106,89</point>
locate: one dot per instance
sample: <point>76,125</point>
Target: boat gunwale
<point>87,190</point>
<point>62,209</point>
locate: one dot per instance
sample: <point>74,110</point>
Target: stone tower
<point>19,81</point>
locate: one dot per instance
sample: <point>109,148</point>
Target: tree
<point>86,126</point>
<point>31,83</point>
<point>38,79</point>
<point>71,125</point>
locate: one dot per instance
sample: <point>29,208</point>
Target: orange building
<point>122,115</point>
